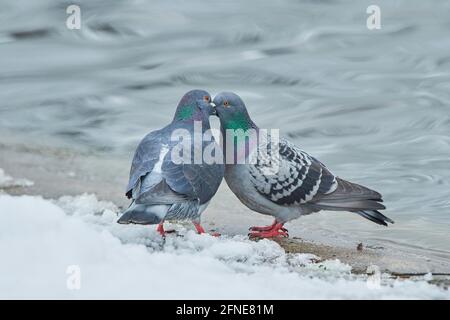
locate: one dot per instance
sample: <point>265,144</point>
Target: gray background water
<point>372,105</point>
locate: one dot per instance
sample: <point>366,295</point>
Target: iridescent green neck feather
<point>239,121</point>
<point>185,112</point>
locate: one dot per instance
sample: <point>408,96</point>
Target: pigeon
<point>163,184</point>
<point>285,182</point>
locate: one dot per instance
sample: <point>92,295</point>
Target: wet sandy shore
<point>58,172</point>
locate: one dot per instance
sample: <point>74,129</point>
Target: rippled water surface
<point>372,105</point>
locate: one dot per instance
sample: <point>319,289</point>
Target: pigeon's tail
<point>375,216</point>
<point>144,214</point>
<point>353,197</point>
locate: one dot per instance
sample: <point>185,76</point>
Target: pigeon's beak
<point>214,111</point>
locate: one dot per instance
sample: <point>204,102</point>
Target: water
<point>372,105</point>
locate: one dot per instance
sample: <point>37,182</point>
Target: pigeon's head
<point>194,105</point>
<point>232,111</point>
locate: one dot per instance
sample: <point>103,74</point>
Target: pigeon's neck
<point>189,113</point>
<point>196,121</point>
<point>185,112</point>
<point>238,123</point>
<point>238,127</point>
<point>242,129</point>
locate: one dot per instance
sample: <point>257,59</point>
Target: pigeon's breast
<point>239,181</point>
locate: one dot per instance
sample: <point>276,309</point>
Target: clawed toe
<point>200,230</point>
<point>280,233</point>
<point>276,230</point>
<point>266,228</point>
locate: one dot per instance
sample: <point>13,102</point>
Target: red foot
<point>265,228</point>
<point>277,230</point>
<point>200,230</point>
<point>215,234</point>
<point>161,230</point>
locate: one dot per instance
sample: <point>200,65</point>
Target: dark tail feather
<point>142,214</point>
<point>350,205</point>
<point>353,197</point>
<point>375,216</point>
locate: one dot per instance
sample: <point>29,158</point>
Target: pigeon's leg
<point>161,230</point>
<point>200,230</point>
<point>265,228</point>
<point>276,231</point>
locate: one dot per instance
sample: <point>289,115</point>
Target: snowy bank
<point>7,181</point>
<point>73,248</point>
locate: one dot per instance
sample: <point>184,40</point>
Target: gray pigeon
<point>296,184</point>
<point>164,188</point>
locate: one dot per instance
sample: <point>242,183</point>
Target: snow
<point>8,182</point>
<point>72,248</point>
<point>43,241</point>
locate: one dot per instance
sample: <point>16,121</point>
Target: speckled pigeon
<point>295,184</point>
<point>163,188</point>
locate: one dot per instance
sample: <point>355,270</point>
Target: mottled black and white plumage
<point>163,189</point>
<point>296,183</point>
<point>300,177</point>
<point>303,180</point>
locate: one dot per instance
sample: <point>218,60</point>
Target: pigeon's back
<point>157,162</point>
<point>146,156</point>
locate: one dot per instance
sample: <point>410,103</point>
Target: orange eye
<point>206,98</point>
<point>226,104</point>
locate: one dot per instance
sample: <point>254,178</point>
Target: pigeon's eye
<point>206,98</point>
<point>226,104</point>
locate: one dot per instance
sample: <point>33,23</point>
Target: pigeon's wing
<point>294,178</point>
<point>199,181</point>
<point>157,178</point>
<point>146,156</point>
<point>298,178</point>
